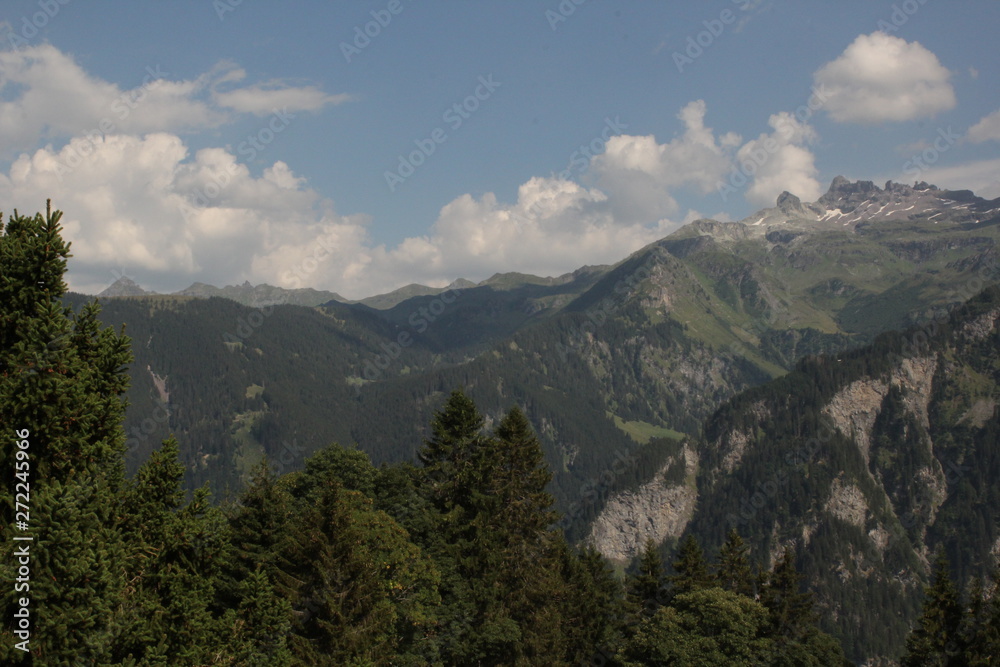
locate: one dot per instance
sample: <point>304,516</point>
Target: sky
<point>361,146</point>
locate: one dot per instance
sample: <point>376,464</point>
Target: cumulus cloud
<point>47,96</point>
<point>881,78</point>
<point>141,204</point>
<point>780,160</point>
<point>137,201</point>
<point>981,176</point>
<point>146,207</point>
<point>987,129</point>
<point>638,174</point>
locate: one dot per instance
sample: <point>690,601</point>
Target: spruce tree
<point>644,588</point>
<point>936,638</point>
<point>174,565</point>
<point>690,567</point>
<point>734,573</point>
<point>360,591</point>
<point>61,381</point>
<point>592,609</point>
<point>791,609</point>
<point>258,524</point>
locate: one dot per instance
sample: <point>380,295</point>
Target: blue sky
<point>217,141</point>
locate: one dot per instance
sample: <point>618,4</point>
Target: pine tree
<point>690,567</point>
<point>936,639</point>
<point>645,588</point>
<point>791,609</point>
<point>593,610</point>
<point>360,591</point>
<point>734,572</point>
<point>61,381</point>
<point>174,564</point>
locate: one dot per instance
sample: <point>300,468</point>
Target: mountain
<point>867,462</point>
<point>124,286</point>
<point>654,343</point>
<point>395,297</point>
<point>617,367</point>
<point>262,295</point>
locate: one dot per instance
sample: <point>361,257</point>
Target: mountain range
<point>732,374</point>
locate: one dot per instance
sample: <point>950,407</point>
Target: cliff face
<point>854,408</point>
<point>657,510</point>
<point>865,462</point>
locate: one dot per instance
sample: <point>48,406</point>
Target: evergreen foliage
<point>452,559</point>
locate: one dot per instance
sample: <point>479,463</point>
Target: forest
<point>453,558</point>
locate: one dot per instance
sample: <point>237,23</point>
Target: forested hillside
<point>452,561</point>
<point>603,360</point>
<point>867,463</point>
<point>855,468</point>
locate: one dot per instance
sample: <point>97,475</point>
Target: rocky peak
<point>846,195</point>
<point>124,286</point>
<point>789,204</point>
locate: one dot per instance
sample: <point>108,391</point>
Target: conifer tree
<point>260,625</point>
<point>258,524</point>
<point>61,380</point>
<point>936,638</point>
<point>358,587</point>
<point>791,609</point>
<point>973,625</point>
<point>990,630</point>
<point>690,567</point>
<point>644,589</point>
<point>517,477</point>
<point>590,606</point>
<point>174,564</point>
<point>734,573</point>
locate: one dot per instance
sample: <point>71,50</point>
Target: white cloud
<point>882,78</point>
<point>144,206</point>
<point>261,100</point>
<point>987,129</point>
<point>780,161</point>
<point>47,96</point>
<point>637,173</point>
<point>982,177</point>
